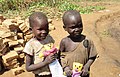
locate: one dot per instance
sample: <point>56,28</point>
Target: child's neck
<point>77,38</point>
<point>39,39</point>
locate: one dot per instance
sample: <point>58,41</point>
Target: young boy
<point>76,47</point>
<point>39,26</point>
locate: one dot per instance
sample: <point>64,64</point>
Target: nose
<point>76,29</point>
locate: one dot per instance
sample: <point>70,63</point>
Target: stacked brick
<point>14,33</point>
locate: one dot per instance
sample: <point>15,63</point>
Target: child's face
<point>40,29</point>
<point>74,26</point>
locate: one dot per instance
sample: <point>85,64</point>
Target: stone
<point>13,43</point>
<point>10,56</point>
<point>18,70</point>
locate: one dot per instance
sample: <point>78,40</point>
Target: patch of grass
<point>64,6</point>
<point>90,9</point>
<point>11,5</point>
<point>98,0</point>
<point>52,8</point>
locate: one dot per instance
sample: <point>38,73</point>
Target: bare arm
<point>90,61</point>
<point>85,70</point>
<point>30,66</point>
<point>66,69</point>
<point>61,49</point>
<point>92,57</point>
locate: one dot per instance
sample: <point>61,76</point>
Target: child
<point>76,47</point>
<point>39,26</point>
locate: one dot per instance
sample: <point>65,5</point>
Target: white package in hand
<point>56,69</point>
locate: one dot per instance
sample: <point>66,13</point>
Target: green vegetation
<point>84,10</point>
<point>11,5</point>
<point>53,8</point>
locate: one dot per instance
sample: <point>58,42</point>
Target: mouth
<point>41,37</point>
<point>77,33</point>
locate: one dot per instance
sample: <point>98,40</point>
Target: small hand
<point>50,58</point>
<point>68,71</point>
<point>85,71</point>
<point>55,55</point>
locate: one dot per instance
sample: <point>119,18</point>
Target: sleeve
<point>92,50</point>
<point>51,39</point>
<point>28,49</point>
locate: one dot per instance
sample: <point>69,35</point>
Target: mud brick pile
<point>14,33</point>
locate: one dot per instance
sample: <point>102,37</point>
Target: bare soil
<point>103,28</point>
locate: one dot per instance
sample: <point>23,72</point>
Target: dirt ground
<point>103,28</point>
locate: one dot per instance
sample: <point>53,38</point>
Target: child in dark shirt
<point>76,46</point>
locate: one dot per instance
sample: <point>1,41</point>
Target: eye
<point>39,29</point>
<point>75,65</point>
<point>72,27</point>
<point>80,25</point>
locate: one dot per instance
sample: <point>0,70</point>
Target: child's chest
<point>70,46</point>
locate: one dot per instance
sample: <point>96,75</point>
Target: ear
<point>30,29</point>
<point>64,27</point>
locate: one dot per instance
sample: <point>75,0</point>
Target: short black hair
<point>70,13</point>
<point>34,16</point>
